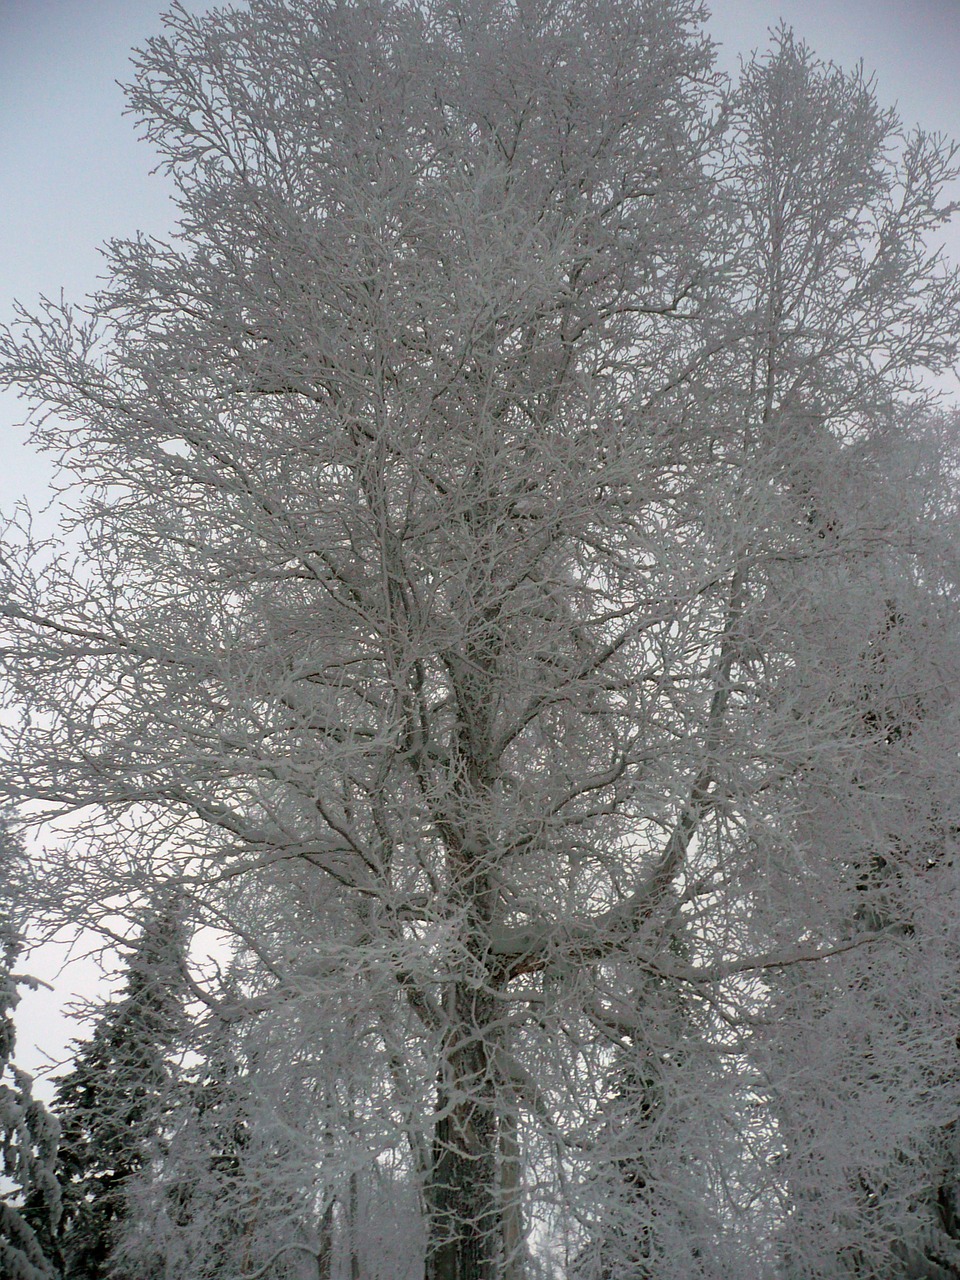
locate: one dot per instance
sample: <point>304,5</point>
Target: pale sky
<point>72,175</point>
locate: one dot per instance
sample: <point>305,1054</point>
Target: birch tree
<point>463,496</point>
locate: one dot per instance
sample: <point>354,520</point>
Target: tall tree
<point>30,1212</point>
<point>112,1101</point>
<point>467,492</point>
<point>840,230</point>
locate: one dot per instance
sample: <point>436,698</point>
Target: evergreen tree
<point>228,1193</point>
<point>29,1213</point>
<point>111,1103</point>
<point>188,1215</point>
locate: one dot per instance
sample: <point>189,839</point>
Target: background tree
<point>111,1104</point>
<point>654,1216</point>
<point>265,1159</point>
<point>840,223</point>
<point>30,1211</point>
<point>207,1204</point>
<point>868,1163</point>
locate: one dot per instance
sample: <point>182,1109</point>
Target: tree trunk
<point>510,1203</point>
<point>353,1227</point>
<point>463,1218</point>
<point>325,1250</point>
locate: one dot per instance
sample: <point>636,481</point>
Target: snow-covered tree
<point>649,1201</point>
<point>112,1102</point>
<point>487,505</point>
<point>839,237</point>
<point>30,1211</point>
<point>868,1164</point>
<point>233,1187</point>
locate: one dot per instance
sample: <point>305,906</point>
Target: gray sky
<point>72,175</point>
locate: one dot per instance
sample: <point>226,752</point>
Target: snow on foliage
<point>30,1211</point>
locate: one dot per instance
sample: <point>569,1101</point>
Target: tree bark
<point>510,1201</point>
<point>353,1226</point>
<point>463,1214</point>
<point>325,1250</point>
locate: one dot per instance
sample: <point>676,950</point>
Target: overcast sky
<point>72,174</point>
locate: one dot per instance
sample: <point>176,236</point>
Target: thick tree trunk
<point>464,1230</point>
<point>463,1241</point>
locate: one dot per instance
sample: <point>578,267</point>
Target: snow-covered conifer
<point>30,1212</point>
<point>112,1102</point>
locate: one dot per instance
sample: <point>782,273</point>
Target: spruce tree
<point>231,1188</point>
<point>188,1212</point>
<point>30,1211</point>
<point>111,1102</point>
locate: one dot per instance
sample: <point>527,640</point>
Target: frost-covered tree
<point>30,1208</point>
<point>839,237</point>
<point>648,1201</point>
<point>112,1102</point>
<point>487,502</point>
<point>233,1187</point>
<point>869,1163</point>
<point>257,1168</point>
